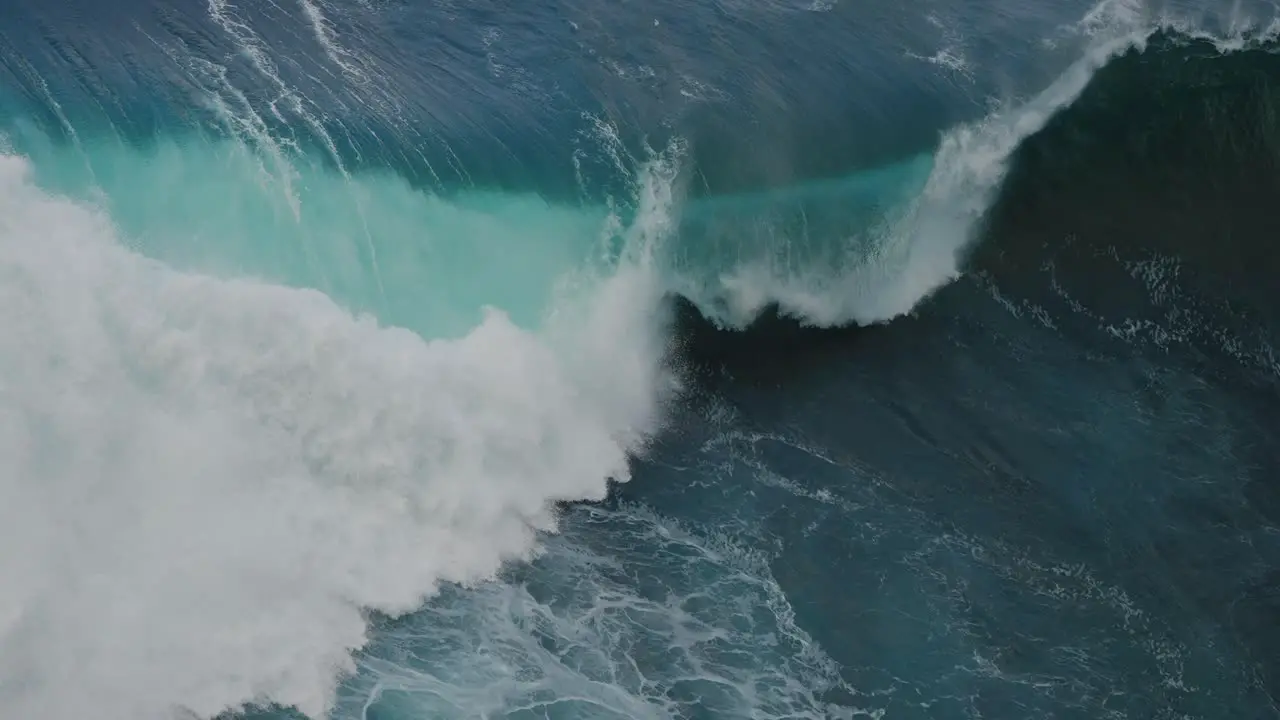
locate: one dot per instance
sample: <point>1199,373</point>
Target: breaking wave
<point>250,396</point>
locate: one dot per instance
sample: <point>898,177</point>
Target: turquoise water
<point>415,259</point>
<point>431,262</point>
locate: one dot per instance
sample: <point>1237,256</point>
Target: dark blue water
<point>863,361</point>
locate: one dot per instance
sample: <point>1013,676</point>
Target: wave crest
<point>924,226</point>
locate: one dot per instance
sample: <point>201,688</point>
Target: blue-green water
<point>370,239</point>
<point>390,360</point>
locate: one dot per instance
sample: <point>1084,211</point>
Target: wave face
<point>1144,209</point>
<point>379,360</point>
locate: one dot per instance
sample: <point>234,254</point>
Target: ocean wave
<point>1144,209</point>
<point>186,441</point>
<point>888,265</point>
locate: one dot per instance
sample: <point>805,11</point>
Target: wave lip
<point>922,244</point>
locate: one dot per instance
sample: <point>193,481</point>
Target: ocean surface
<point>699,359</point>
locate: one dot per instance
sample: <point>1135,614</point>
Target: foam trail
<point>328,40</point>
<point>208,481</point>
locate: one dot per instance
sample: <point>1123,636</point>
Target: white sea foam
<point>208,481</point>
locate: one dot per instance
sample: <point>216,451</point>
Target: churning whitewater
<point>333,333</point>
<point>211,480</point>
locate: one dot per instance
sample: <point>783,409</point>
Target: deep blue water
<point>717,360</point>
